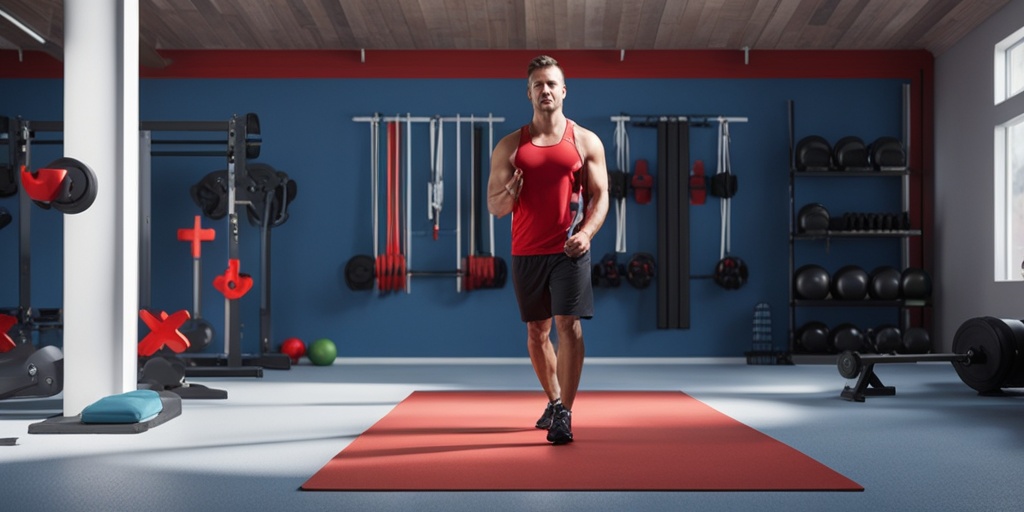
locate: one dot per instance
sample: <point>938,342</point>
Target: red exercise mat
<point>485,440</point>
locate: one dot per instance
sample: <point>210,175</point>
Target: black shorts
<point>552,285</point>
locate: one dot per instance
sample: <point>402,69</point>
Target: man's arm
<point>505,181</point>
<point>597,186</point>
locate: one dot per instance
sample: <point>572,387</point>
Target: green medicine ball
<point>322,352</point>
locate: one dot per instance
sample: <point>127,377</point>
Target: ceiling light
<point>24,28</point>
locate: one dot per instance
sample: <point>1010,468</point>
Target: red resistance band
<point>391,264</point>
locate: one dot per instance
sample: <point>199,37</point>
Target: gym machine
<point>241,141</point>
<point>241,144</point>
<point>987,354</point>
<point>19,135</point>
<point>26,371</point>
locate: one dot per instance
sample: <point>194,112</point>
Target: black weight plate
<point>360,272</point>
<point>1015,378</point>
<point>849,365</point>
<point>993,339</point>
<point>199,332</point>
<point>78,189</point>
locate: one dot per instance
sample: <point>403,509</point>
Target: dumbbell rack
<point>795,303</point>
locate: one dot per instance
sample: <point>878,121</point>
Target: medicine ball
<point>851,154</point>
<point>813,153</point>
<point>850,283</point>
<point>915,284</point>
<point>731,273</point>
<point>916,341</point>
<point>845,337</point>
<point>885,283</point>
<point>885,339</point>
<point>813,218</point>
<point>813,337</point>
<point>887,153</point>
<point>811,282</point>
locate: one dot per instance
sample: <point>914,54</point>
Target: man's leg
<point>570,357</point>
<point>542,356</point>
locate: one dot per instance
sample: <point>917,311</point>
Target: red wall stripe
<point>506,64</point>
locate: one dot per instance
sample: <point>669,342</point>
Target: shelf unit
<point>796,240</point>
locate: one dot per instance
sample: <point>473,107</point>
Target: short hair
<point>542,61</point>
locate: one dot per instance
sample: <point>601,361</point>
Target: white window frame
<point>1008,158</point>
<point>1008,265</point>
<point>1003,51</point>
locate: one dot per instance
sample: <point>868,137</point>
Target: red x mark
<point>163,331</point>
<point>6,343</point>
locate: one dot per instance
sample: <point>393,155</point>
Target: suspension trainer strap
<point>619,184</point>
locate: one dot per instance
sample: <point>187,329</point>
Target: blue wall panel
<point>308,132</point>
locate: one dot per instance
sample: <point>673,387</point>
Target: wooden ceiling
<point>934,25</point>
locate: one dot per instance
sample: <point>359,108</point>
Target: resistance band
<point>435,188</point>
<point>622,160</point>
<point>391,265</point>
<point>724,168</point>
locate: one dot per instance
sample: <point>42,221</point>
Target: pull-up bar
<point>419,119</point>
<point>693,119</point>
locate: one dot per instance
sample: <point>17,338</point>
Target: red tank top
<point>544,215</point>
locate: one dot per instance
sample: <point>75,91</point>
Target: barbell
<point>987,354</point>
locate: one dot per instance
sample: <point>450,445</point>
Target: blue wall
<point>308,133</point>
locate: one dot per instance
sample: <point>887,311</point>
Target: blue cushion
<point>131,407</point>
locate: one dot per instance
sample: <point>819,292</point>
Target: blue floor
<point>933,446</point>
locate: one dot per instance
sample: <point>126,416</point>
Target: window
<point>1009,161</point>
<point>1009,61</point>
<point>1015,68</point>
<point>1009,200</point>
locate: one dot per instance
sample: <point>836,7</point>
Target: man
<point>551,176</point>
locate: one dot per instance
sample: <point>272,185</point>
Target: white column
<point>101,244</point>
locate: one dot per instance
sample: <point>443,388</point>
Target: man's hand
<point>514,185</point>
<point>578,244</point>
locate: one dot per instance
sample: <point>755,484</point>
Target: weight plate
<point>993,340</point>
<point>848,364</point>
<point>1015,377</point>
<point>78,189</point>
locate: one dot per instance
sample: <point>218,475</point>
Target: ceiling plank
<point>731,24</point>
<point>865,28</point>
<point>762,12</point>
<point>775,25</point>
<point>797,25</point>
<point>592,25</point>
<point>476,23</point>
<point>957,23</point>
<point>651,13</point>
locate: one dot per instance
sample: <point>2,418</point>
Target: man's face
<point>547,89</point>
